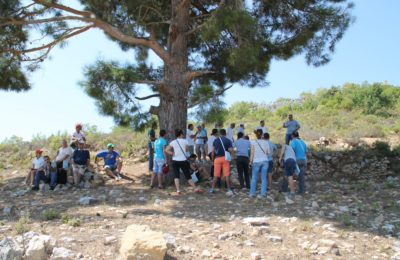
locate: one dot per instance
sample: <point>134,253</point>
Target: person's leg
<point>264,169</point>
<point>269,173</point>
<point>110,173</point>
<point>246,172</point>
<point>53,180</point>
<point>176,168</point>
<point>151,161</point>
<point>291,184</point>
<point>253,185</point>
<point>154,174</point>
<point>301,179</point>
<point>119,167</point>
<point>217,171</point>
<point>198,152</point>
<point>240,170</point>
<point>287,138</point>
<point>227,172</point>
<point>36,180</point>
<point>203,152</point>
<point>191,149</point>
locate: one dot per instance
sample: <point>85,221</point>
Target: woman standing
<point>178,148</point>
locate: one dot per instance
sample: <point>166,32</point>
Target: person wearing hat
<point>37,165</point>
<point>78,135</point>
<point>112,161</point>
<point>80,161</point>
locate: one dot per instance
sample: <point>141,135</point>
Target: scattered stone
<point>171,240</point>
<point>389,229</point>
<point>61,253</point>
<point>206,253</point>
<point>142,199</point>
<point>249,243</point>
<point>314,205</point>
<point>275,239</point>
<point>87,200</point>
<point>36,249</point>
<point>110,240</point>
<point>141,241</point>
<point>10,249</point>
<point>10,211</point>
<point>255,256</point>
<point>344,209</point>
<point>256,221</point>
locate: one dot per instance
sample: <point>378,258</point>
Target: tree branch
<point>194,74</point>
<point>47,20</point>
<point>65,8</point>
<point>148,97</point>
<point>205,98</point>
<point>50,45</point>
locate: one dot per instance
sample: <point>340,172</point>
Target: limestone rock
<point>36,249</point>
<point>256,221</point>
<point>275,239</point>
<point>255,256</point>
<point>10,249</point>
<point>141,241</point>
<point>87,200</point>
<point>61,253</point>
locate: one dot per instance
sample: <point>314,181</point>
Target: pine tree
<point>204,46</point>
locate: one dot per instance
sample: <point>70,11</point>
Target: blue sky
<point>368,52</point>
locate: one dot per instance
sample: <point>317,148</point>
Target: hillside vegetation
<point>351,111</point>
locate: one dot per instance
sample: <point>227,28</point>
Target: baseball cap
<point>110,145</point>
<point>38,151</point>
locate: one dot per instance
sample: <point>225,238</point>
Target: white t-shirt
<point>240,129</point>
<point>77,136</point>
<point>189,139</point>
<point>263,128</point>
<point>63,151</point>
<point>289,153</point>
<point>229,133</point>
<point>38,163</point>
<point>210,143</point>
<point>178,152</point>
<point>261,150</point>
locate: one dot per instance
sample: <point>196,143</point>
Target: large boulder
<point>61,253</point>
<point>10,249</point>
<point>140,242</point>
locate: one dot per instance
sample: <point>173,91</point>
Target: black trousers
<point>61,173</point>
<point>242,164</point>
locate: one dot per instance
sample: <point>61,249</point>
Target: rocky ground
<point>339,217</point>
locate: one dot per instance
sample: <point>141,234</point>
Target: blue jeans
<point>257,167</point>
<point>303,167</point>
<point>288,137</point>
<point>41,176</point>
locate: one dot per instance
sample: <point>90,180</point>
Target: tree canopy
<point>205,46</point>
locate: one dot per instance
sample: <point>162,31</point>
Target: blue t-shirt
<point>81,157</point>
<point>159,145</point>
<point>273,148</point>
<point>110,159</point>
<point>242,147</point>
<point>219,149</point>
<point>300,148</point>
<point>291,126</point>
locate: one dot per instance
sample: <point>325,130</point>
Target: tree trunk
<point>172,111</point>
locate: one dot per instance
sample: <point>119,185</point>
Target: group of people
<point>253,157</point>
<point>72,158</point>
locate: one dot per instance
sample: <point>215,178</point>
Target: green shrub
<point>383,148</point>
<point>73,222</point>
<point>21,225</point>
<point>50,214</point>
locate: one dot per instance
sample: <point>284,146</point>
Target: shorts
<point>290,167</point>
<point>158,164</point>
<point>270,166</point>
<point>221,164</point>
<point>181,165</point>
<point>200,148</point>
<point>79,169</point>
<point>111,167</point>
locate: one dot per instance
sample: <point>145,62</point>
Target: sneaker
<point>51,188</point>
<point>252,196</point>
<point>211,191</point>
<point>229,193</point>
<point>178,192</point>
<point>35,188</point>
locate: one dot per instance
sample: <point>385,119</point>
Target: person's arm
<point>213,153</point>
<point>88,160</point>
<point>165,153</point>
<point>168,150</point>
<point>251,154</point>
<point>282,152</point>
<point>284,125</point>
<point>297,127</point>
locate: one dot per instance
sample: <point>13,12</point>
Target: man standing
<point>300,150</point>
<point>241,128</point>
<point>190,138</point>
<point>160,158</point>
<point>229,132</point>
<point>220,146</point>
<point>262,127</point>
<point>292,126</point>
<point>200,143</point>
<point>80,161</point>
<point>242,160</point>
<point>112,161</point>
